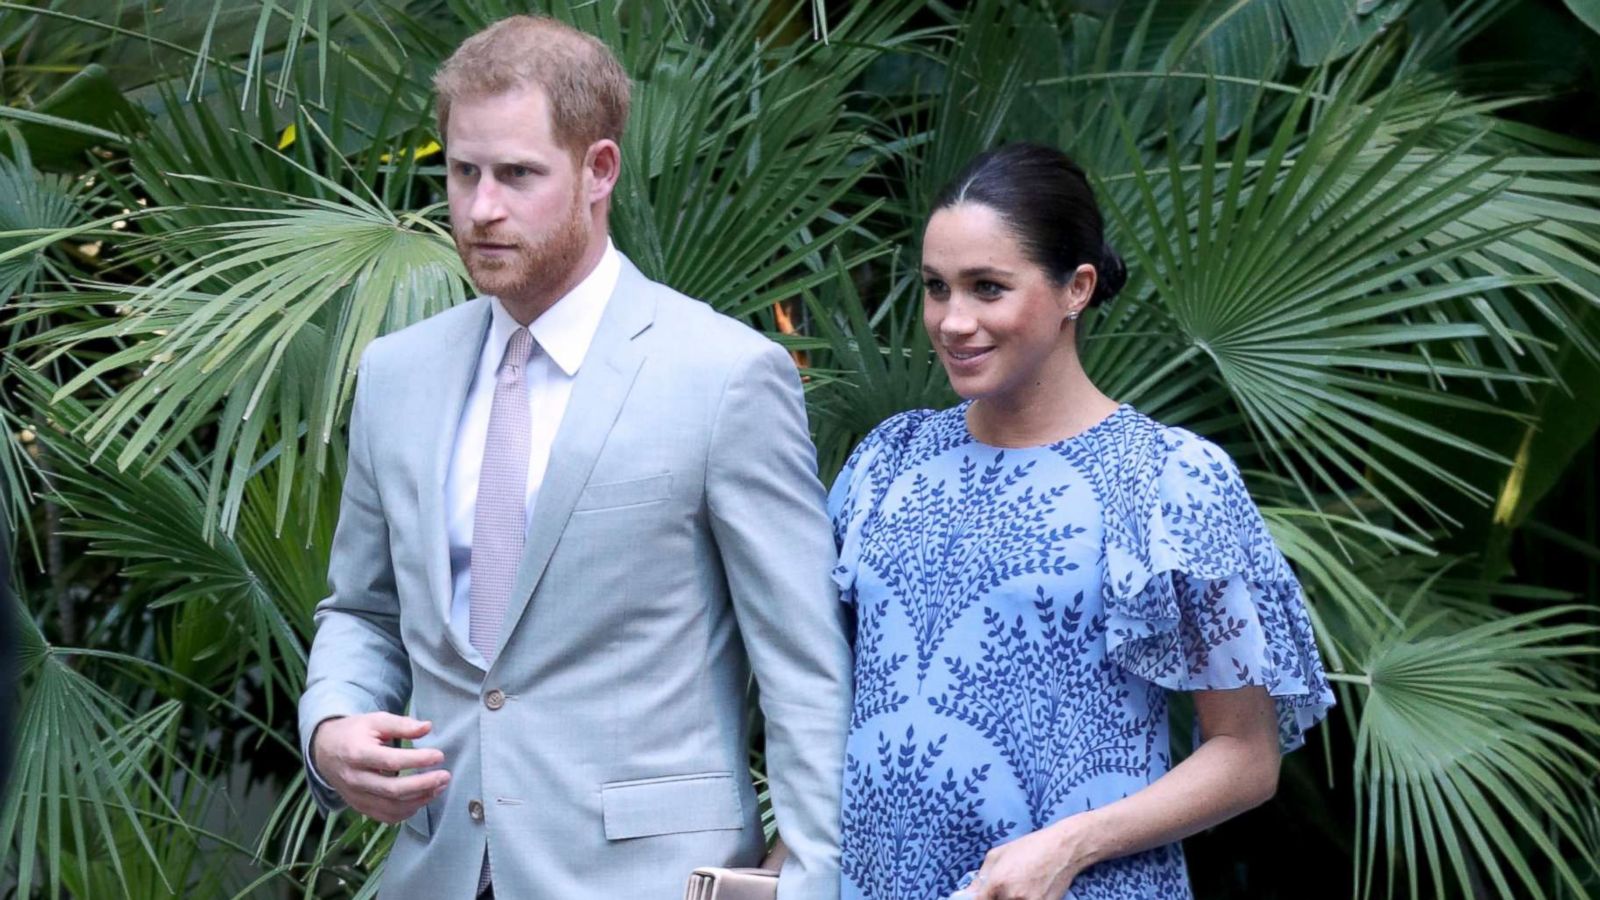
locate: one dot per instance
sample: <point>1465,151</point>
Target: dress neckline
<point>1122,410</point>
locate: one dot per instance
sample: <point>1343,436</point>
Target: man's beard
<point>534,273</point>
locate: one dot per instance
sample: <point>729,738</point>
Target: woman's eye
<point>935,286</point>
<point>988,289</point>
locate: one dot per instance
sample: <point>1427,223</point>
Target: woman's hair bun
<point>1112,275</point>
<point>1046,200</point>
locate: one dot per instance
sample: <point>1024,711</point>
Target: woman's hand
<point>1234,768</point>
<point>1036,866</point>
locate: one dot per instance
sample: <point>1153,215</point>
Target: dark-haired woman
<point>1031,572</point>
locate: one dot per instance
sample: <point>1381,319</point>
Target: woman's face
<point>995,317</point>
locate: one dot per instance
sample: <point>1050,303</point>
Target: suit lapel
<point>447,382</point>
<point>598,392</point>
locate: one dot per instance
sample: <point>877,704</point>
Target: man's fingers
<point>380,758</point>
<point>416,789</point>
<point>388,812</point>
<point>388,726</point>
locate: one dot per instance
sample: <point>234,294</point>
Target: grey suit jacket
<point>679,545</point>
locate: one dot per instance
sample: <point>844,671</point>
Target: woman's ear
<point>1080,290</point>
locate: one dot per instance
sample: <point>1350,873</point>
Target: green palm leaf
<point>741,152</point>
<point>312,848</point>
<point>1301,280</point>
<point>867,379</point>
<point>153,522</point>
<point>80,758</point>
<point>33,203</point>
<point>260,328</point>
<point>1467,745</point>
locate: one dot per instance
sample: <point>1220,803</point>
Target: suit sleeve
<point>767,516</point>
<point>358,663</point>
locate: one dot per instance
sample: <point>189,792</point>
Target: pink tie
<point>500,520</point>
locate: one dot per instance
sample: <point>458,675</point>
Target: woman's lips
<point>966,359</point>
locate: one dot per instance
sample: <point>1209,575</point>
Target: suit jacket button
<point>475,810</point>
<point>494,699</point>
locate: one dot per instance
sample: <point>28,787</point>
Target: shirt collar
<point>567,328</point>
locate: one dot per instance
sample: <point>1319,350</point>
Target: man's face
<point>518,206</point>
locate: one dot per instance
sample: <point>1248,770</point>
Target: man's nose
<point>487,207</point>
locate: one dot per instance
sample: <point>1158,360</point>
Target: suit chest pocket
<point>624,494</point>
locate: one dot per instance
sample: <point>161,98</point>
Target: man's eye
<point>466,170</point>
<point>520,171</point>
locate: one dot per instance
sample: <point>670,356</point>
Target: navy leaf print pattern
<point>1209,624</point>
<point>1197,595</point>
<point>916,830</point>
<point>1050,597</point>
<point>941,550</point>
<point>1056,721</point>
<point>875,669</point>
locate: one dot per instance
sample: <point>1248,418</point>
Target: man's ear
<point>602,165</point>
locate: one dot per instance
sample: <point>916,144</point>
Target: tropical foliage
<point>1357,261</point>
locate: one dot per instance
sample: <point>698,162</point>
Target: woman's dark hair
<point>1046,200</point>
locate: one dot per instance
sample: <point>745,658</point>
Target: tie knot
<point>518,350</point>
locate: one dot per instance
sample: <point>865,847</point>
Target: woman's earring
<point>1072,316</point>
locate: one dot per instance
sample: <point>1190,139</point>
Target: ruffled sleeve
<point>860,488</point>
<point>1197,595</point>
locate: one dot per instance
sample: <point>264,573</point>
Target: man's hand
<point>776,856</point>
<point>353,754</point>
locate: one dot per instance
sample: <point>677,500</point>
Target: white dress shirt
<point>561,335</point>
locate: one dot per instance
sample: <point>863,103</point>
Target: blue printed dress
<point>1021,615</point>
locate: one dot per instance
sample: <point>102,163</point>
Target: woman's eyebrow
<point>980,271</point>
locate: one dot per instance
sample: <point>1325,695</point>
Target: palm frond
<point>1301,279</point>
<point>153,522</point>
<point>260,326</point>
<point>739,148</point>
<point>35,203</point>
<point>80,758</point>
<point>867,379</point>
<point>1466,748</point>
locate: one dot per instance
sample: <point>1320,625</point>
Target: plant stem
<point>55,556</point>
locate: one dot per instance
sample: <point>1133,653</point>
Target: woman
<point>1031,572</point>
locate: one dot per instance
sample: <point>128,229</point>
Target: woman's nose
<point>957,322</point>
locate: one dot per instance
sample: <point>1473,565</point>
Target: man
<point>579,512</point>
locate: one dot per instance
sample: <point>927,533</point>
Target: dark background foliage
<point>1364,249</point>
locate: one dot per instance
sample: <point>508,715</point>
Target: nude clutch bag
<point>711,883</point>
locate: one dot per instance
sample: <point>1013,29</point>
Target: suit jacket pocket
<point>708,801</point>
<point>632,492</point>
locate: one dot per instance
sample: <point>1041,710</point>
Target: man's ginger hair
<point>586,86</point>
